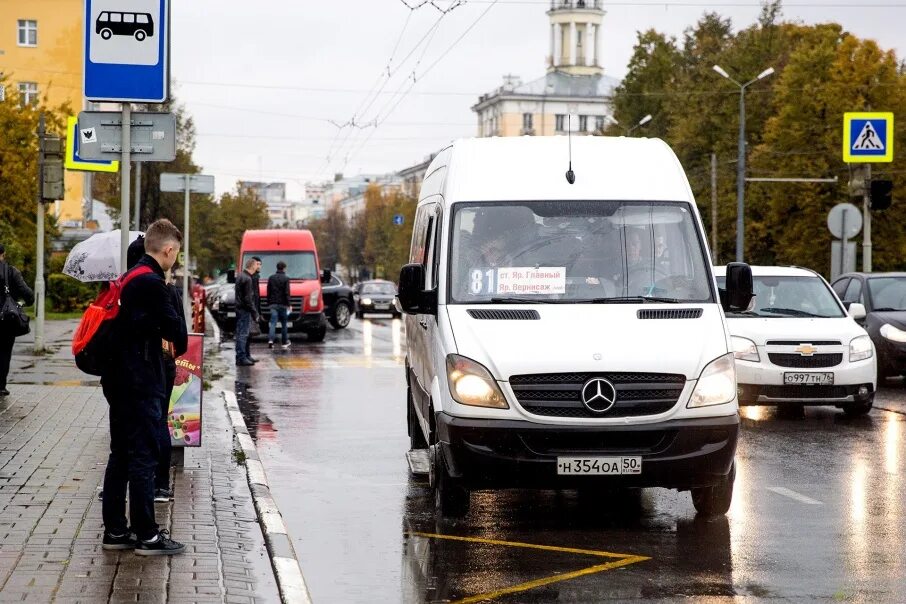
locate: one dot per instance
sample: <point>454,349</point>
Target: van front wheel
<point>716,500</point>
<point>451,500</point>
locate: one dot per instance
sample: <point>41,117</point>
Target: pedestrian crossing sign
<point>868,137</point>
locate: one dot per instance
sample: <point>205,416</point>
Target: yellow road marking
<point>622,560</point>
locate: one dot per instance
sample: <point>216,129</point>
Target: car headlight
<point>472,384</point>
<point>366,301</point>
<point>313,299</point>
<point>744,349</point>
<point>893,334</point>
<point>860,348</point>
<point>717,384</point>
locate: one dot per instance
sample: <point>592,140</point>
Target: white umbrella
<point>97,258</point>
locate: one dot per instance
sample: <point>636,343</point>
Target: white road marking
<point>794,495</point>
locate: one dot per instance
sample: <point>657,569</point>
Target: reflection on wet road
<point>818,511</point>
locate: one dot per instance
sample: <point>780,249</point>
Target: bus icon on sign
<point>137,25</point>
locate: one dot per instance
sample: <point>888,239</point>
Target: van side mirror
<point>740,288</point>
<point>326,275</point>
<point>231,276</point>
<point>413,298</point>
<point>857,311</point>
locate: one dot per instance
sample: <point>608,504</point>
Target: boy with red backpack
<point>134,383</point>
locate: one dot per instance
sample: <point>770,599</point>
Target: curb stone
<point>290,582</point>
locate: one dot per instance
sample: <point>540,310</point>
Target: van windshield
<point>299,265</point>
<point>576,251</point>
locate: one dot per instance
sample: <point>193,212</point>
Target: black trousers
<point>6,355</point>
<point>134,456</point>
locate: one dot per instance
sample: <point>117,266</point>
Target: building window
<point>527,122</point>
<point>28,33</point>
<point>599,123</point>
<point>583,123</point>
<point>28,93</point>
<point>560,123</point>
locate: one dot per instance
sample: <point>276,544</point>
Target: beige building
<point>574,93</point>
<point>41,56</point>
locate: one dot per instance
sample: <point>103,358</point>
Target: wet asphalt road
<point>819,511</point>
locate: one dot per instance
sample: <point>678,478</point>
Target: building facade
<point>41,57</point>
<point>574,95</point>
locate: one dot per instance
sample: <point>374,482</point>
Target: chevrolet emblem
<point>807,350</point>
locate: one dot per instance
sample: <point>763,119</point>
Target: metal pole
<point>138,196</point>
<point>714,207</point>
<point>844,244</point>
<point>187,307</point>
<point>866,214</point>
<point>39,248</point>
<point>741,179</point>
<point>126,170</point>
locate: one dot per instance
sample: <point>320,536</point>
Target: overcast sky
<point>265,79</point>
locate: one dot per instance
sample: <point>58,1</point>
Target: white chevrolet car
<point>797,344</point>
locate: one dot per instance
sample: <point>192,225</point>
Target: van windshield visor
<point>576,252</point>
<point>299,265</point>
<point>790,297</point>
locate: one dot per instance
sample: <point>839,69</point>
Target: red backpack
<point>93,342</point>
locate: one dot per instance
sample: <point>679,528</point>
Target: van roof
<point>277,239</point>
<point>770,271</point>
<point>534,168</point>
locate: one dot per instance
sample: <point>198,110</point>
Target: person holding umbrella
<point>11,286</point>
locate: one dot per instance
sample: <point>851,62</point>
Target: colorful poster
<point>184,418</point>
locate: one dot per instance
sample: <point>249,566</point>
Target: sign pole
<point>844,246</point>
<point>39,252</point>
<point>187,306</point>
<point>138,196</point>
<point>866,212</point>
<point>126,172</point>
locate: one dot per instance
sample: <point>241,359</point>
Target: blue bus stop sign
<point>127,48</point>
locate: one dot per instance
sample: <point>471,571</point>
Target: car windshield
<point>576,251</point>
<point>888,293</point>
<point>299,265</point>
<point>386,289</point>
<point>785,297</point>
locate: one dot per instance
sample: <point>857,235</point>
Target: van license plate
<point>808,379</point>
<point>601,466</point>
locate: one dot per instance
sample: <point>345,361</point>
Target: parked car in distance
<point>377,296</point>
<point>339,302</point>
<point>878,302</point>
<point>223,306</point>
<point>798,346</point>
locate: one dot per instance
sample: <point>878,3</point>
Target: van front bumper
<point>500,454</point>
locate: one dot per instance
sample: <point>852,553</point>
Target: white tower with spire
<point>575,41</point>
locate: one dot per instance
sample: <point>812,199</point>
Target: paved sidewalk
<point>53,451</point>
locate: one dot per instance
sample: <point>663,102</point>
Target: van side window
<point>431,246</point>
<point>417,252</point>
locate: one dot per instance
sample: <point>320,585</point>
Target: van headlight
<point>717,384</point>
<point>889,332</point>
<point>472,384</point>
<point>744,349</point>
<point>860,348</point>
<point>313,298</point>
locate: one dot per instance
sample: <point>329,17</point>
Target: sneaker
<point>287,345</point>
<point>244,363</point>
<point>253,360</point>
<point>163,495</point>
<point>270,345</point>
<point>115,542</point>
<point>161,545</point>
<point>4,392</point>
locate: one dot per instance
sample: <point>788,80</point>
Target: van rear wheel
<point>451,500</point>
<point>317,335</point>
<point>715,500</point>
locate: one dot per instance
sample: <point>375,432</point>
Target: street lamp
<point>629,131</point>
<point>741,163</point>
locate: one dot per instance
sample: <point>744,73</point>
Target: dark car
<point>376,297</point>
<point>883,298</point>
<point>222,303</point>
<point>339,303</point>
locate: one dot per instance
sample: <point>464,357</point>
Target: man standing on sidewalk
<point>10,278</point>
<point>135,385</point>
<point>246,312</point>
<point>278,302</point>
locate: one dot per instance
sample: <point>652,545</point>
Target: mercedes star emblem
<point>598,395</point>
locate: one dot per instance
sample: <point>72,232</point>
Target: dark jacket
<point>256,291</point>
<point>278,289</point>
<point>17,287</point>
<point>245,296</point>
<point>149,313</point>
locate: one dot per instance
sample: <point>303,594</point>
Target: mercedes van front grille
<point>560,394</point>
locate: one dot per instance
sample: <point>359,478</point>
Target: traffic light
<point>881,194</point>
<point>52,185</point>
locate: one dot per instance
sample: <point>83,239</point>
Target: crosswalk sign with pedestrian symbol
<point>868,137</point>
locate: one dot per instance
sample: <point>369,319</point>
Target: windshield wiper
<point>631,300</point>
<point>793,312</point>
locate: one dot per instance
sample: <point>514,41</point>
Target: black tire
<point>451,500</point>
<point>859,409</point>
<point>317,335</point>
<point>716,500</point>
<point>341,316</point>
<point>416,436</point>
